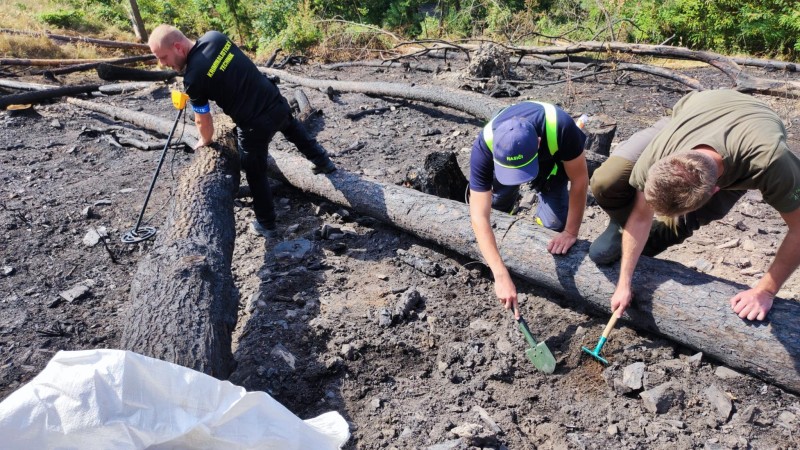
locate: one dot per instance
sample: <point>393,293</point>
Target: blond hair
<point>164,36</point>
<point>680,183</point>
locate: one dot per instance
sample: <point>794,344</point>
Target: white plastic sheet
<point>114,399</point>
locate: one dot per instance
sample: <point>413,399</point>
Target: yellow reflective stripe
<point>550,128</point>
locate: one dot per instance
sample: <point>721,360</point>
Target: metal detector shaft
<point>158,169</point>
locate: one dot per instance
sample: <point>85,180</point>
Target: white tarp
<point>114,399</point>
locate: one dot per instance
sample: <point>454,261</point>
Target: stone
<point>748,245</point>
<point>504,346</point>
<point>612,430</point>
<point>632,375</point>
<point>281,352</point>
<point>56,124</point>
<point>384,317</point>
<point>748,414</point>
<point>86,213</point>
<point>93,236</point>
<point>726,373</point>
<point>729,244</point>
<point>347,351</point>
<point>662,398</point>
<point>481,325</point>
<point>702,265</point>
<point>126,190</point>
<point>467,430</point>
<point>720,400</point>
<point>695,360</point>
<point>452,444</point>
<point>376,403</point>
<point>7,271</point>
<point>77,292</point>
<point>102,202</point>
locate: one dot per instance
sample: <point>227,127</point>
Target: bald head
<point>170,46</point>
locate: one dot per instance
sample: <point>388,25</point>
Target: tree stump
<point>441,177</point>
<point>600,132</point>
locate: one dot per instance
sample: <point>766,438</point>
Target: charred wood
<point>109,72</point>
<point>671,300</point>
<point>46,94</point>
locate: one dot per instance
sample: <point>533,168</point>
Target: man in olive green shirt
<point>689,170</point>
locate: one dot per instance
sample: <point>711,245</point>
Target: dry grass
<point>24,15</point>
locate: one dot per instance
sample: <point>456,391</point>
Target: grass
<point>28,15</point>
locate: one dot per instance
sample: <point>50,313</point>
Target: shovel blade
<point>541,358</point>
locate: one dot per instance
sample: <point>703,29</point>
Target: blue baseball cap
<point>516,147</point>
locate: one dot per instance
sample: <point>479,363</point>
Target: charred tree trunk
<point>110,72</point>
<point>45,94</point>
<point>139,119</point>
<point>686,306</point>
<point>66,62</point>
<point>476,105</point>
<point>62,38</point>
<point>94,65</point>
<point>600,133</point>
<point>183,301</point>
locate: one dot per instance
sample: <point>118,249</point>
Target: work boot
<point>323,164</point>
<point>607,248</point>
<point>267,231</point>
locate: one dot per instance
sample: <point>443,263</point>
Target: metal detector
<point>139,233</point>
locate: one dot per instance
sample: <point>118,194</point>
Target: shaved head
<point>164,36</point>
<point>170,46</point>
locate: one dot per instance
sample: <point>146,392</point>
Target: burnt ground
<point>316,328</point>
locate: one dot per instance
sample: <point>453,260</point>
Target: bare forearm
<point>577,206</point>
<point>786,262</point>
<point>634,238</point>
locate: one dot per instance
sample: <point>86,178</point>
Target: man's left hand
<point>752,304</point>
<point>561,243</point>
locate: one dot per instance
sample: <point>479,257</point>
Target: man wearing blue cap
<point>527,142</point>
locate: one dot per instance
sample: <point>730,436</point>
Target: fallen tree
<point>45,94</point>
<point>63,38</point>
<point>65,62</point>
<point>741,81</point>
<point>476,105</point>
<point>670,299</point>
<point>139,119</point>
<point>183,302</point>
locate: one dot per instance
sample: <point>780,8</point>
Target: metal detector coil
<point>139,233</point>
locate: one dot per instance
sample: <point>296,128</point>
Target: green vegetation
<point>760,27</point>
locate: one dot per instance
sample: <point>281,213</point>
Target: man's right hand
<point>200,144</point>
<point>507,293</point>
<point>621,300</point>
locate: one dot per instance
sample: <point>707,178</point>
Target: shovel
<point>538,353</point>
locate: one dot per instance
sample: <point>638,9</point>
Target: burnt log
<point>46,94</point>
<point>110,72</point>
<point>63,38</point>
<point>93,65</point>
<point>441,176</point>
<point>475,105</point>
<point>671,300</point>
<point>183,301</point>
<point>139,119</point>
<point>63,62</point>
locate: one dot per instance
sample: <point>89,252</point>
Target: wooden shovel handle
<point>610,325</point>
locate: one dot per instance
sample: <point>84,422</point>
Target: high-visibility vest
<point>550,127</point>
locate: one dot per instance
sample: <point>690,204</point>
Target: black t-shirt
<point>217,70</point>
<point>570,145</point>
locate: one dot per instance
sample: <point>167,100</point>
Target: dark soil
<point>316,331</point>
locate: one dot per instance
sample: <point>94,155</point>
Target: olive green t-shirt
<point>748,135</point>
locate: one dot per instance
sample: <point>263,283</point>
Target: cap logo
<point>514,158</point>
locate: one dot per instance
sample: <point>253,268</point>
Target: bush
<point>64,18</point>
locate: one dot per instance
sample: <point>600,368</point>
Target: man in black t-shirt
<point>216,69</point>
<point>527,142</point>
